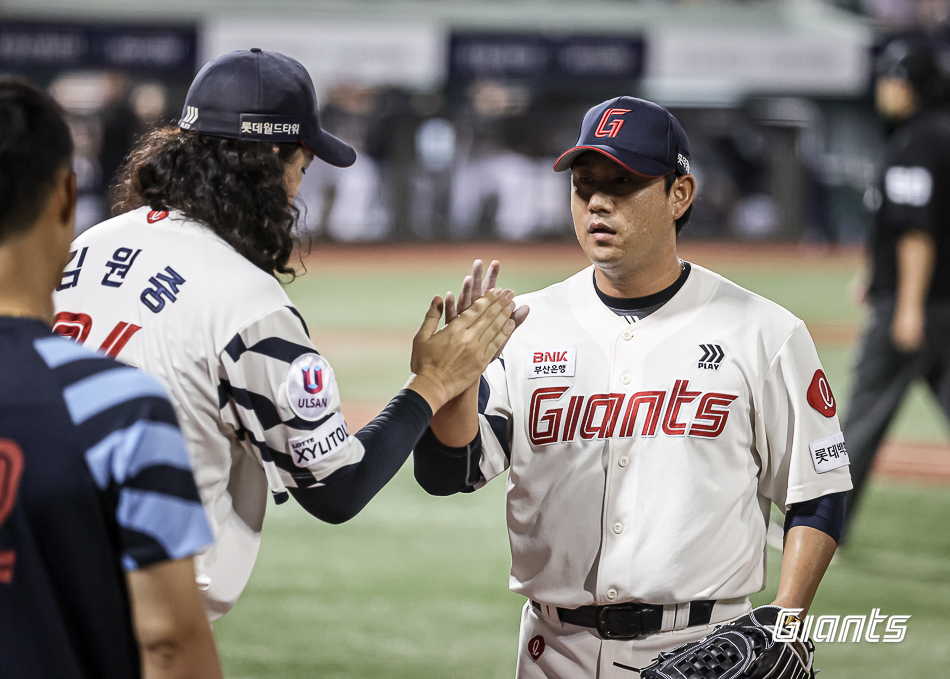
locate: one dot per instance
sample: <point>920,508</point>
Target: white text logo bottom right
<point>831,628</point>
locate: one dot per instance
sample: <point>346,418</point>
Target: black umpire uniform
<point>915,197</point>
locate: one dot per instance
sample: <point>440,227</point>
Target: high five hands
<point>474,286</point>
<point>445,362</point>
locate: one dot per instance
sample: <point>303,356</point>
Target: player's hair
<point>235,188</point>
<point>681,222</point>
<point>35,146</point>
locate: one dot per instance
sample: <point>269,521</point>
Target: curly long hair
<point>235,188</point>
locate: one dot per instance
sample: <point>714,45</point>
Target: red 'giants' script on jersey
<point>603,416</point>
<point>819,395</point>
<point>156,216</point>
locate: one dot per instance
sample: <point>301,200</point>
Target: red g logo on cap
<point>610,128</point>
<point>819,395</point>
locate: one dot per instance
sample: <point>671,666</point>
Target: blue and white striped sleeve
<point>159,511</point>
<point>134,451</point>
<point>281,396</point>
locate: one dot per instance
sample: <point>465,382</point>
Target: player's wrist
<point>429,388</point>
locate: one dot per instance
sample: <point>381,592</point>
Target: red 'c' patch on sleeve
<point>819,395</point>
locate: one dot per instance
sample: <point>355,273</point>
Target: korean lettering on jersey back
<point>71,276</point>
<point>164,286</point>
<point>119,266</point>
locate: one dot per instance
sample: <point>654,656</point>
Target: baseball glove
<point>742,649</point>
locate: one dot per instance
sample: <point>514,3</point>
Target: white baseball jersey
<point>643,457</point>
<point>259,407</point>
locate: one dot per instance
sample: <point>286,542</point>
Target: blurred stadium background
<point>458,110</point>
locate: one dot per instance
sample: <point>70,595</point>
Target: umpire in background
<point>909,289</point>
<point>99,513</point>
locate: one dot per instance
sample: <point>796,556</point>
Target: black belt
<point>626,621</point>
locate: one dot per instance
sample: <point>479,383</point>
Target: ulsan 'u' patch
<point>310,386</point>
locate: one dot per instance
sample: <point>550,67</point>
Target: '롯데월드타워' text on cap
<point>261,96</point>
<point>642,136</point>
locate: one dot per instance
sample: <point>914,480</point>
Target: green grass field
<point>416,587</point>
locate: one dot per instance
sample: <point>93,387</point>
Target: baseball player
<point>648,412</point>
<point>909,289</point>
<point>184,285</point>
<point>99,513</point>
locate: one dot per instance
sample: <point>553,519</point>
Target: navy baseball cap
<point>642,136</point>
<point>255,95</point>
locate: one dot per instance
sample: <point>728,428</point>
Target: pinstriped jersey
<point>94,480</point>
<point>258,405</point>
<point>643,458</point>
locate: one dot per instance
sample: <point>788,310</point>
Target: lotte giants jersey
<point>258,406</point>
<point>643,458</point>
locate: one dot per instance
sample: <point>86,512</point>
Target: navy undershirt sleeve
<point>388,440</point>
<point>444,470</point>
<point>825,513</point>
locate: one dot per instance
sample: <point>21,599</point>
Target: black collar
<point>657,298</point>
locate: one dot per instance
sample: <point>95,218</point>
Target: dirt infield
<point>459,256</point>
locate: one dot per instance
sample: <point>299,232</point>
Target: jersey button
<point>611,594</point>
<point>623,461</point>
<point>627,335</point>
<point>618,528</point>
<point>625,379</point>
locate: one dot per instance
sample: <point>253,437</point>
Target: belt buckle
<point>605,632</point>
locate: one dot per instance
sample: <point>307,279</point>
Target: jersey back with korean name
<point>258,405</point>
<point>643,458</point>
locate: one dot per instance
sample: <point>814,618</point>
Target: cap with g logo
<point>261,96</point>
<point>642,136</point>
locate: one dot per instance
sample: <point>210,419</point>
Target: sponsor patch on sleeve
<point>322,441</point>
<point>310,386</point>
<point>829,453</point>
<point>551,363</point>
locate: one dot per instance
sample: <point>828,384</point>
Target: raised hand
<point>446,362</point>
<point>475,286</point>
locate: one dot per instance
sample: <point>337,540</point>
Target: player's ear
<point>69,192</point>
<point>681,194</point>
<point>61,203</point>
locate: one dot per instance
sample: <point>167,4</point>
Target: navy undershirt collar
<point>653,302</point>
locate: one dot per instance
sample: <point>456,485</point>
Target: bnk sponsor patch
<point>559,362</point>
<point>310,386</point>
<point>324,440</point>
<point>829,453</point>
